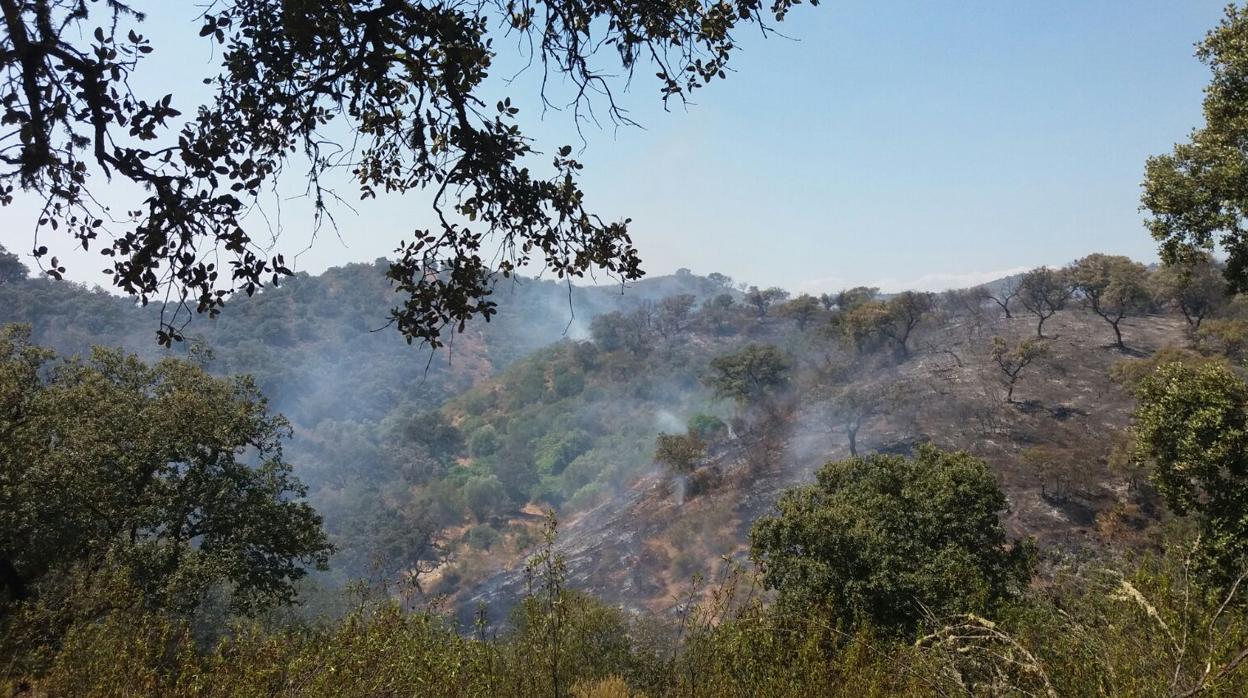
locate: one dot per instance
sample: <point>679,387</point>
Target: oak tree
<point>1191,425</point>
<point>1011,360</point>
<point>801,310</point>
<point>1112,286</point>
<point>1196,287</point>
<point>1197,198</point>
<point>1043,292</point>
<point>162,472</point>
<point>889,540</point>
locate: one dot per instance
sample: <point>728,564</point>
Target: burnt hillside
<point>1051,449</point>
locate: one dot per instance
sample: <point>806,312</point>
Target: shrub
<point>482,537</point>
<point>886,539</point>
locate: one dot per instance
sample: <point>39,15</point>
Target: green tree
<point>886,539</point>
<point>1226,336</point>
<point>391,94</point>
<point>905,311</point>
<point>485,496</point>
<point>11,268</point>
<point>862,327</point>
<point>720,313</point>
<point>706,426</point>
<point>1197,288</point>
<point>673,313</point>
<point>1196,194</point>
<point>852,298</point>
<point>1112,286</point>
<point>163,472</point>
<point>1043,292</point>
<point>763,299</point>
<point>680,453</point>
<point>1013,359</point>
<point>754,374</point>
<point>870,324</point>
<point>801,310</point>
<point>1191,424</point>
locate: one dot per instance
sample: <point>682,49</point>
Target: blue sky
<point>899,144</point>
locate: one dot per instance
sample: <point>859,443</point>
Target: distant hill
<point>319,345</point>
<point>443,461</point>
<point>319,349</point>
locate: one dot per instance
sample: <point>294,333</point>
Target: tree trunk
<point>852,432</point>
<point>1118,337</point>
<point>1040,326</point>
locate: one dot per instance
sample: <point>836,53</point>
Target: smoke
<point>668,422</point>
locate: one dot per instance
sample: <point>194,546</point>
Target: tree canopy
<point>1113,286</point>
<point>1043,292</point>
<point>1196,287</point>
<point>1196,194</point>
<point>752,374</point>
<point>164,472</point>
<point>886,539</point>
<point>1192,426</point>
<point>387,94</point>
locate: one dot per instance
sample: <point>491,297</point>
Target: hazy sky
<point>900,144</point>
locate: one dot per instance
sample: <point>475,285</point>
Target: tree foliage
<point>11,268</point>
<point>681,453</point>
<point>171,475</point>
<point>1197,288</point>
<point>762,300</point>
<point>1113,286</point>
<point>389,95</point>
<point>853,297</point>
<point>905,311</point>
<point>1013,359</point>
<point>801,310</point>
<point>750,375</point>
<point>887,539</point>
<point>1196,194</point>
<point>868,324</point>
<point>1192,425</point>
<point>1043,292</point>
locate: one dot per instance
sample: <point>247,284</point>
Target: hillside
<point>1051,450</point>
<point>321,353</point>
<point>440,464</point>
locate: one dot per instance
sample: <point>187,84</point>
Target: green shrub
<point>482,537</point>
<point>887,540</point>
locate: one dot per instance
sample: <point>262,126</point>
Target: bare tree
<point>1003,292</point>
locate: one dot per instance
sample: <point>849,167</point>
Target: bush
<point>485,497</point>
<point>483,442</point>
<point>482,537</point>
<point>706,426</point>
<point>886,539</point>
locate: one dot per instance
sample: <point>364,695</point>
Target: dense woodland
<point>676,486</point>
